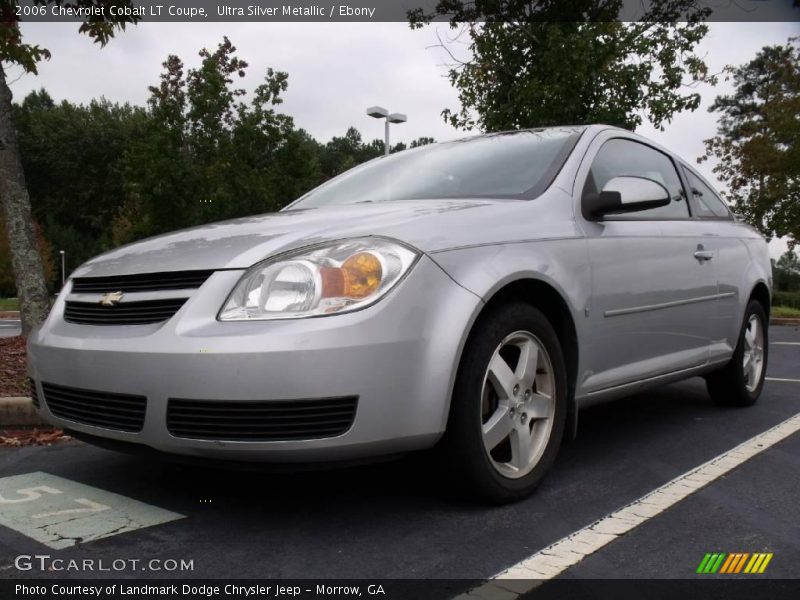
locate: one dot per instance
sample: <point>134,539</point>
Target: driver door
<point>650,305</point>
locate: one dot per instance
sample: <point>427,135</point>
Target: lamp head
<point>377,112</point>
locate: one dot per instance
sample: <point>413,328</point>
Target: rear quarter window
<point>707,202</point>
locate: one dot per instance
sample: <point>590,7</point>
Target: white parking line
<point>784,379</point>
<point>785,343</point>
<point>569,551</point>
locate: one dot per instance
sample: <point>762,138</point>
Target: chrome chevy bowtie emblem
<point>111,298</point>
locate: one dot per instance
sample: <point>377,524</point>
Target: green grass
<point>9,304</point>
<point>785,312</point>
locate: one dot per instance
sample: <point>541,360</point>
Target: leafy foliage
<point>787,299</point>
<point>202,150</point>
<point>72,156</point>
<point>786,273</point>
<point>547,62</point>
<point>100,27</point>
<point>27,263</point>
<point>208,154</point>
<point>758,140</point>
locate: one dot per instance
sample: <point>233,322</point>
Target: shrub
<point>791,299</point>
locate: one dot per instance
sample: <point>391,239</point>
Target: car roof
<point>572,128</point>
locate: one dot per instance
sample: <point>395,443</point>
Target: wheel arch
<point>552,303</point>
<point>761,293</point>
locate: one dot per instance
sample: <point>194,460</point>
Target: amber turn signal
<point>358,277</point>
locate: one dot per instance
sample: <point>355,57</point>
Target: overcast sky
<point>336,70</point>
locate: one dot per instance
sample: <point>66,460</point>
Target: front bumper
<point>398,357</point>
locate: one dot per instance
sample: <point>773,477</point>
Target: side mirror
<point>624,195</point>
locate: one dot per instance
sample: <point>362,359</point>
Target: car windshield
<point>519,164</point>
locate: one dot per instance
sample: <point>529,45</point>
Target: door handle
<point>703,255</point>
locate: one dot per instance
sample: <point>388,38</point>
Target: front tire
<point>739,383</point>
<point>509,404</point>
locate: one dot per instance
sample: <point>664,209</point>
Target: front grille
<point>144,282</point>
<point>34,393</point>
<point>126,313</point>
<point>260,420</point>
<point>123,412</point>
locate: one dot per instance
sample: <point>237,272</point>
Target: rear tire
<point>739,383</point>
<point>509,405</point>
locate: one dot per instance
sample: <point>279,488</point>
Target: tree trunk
<point>28,270</point>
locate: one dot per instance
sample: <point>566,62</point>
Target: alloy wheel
<point>518,404</point>
<point>753,357</point>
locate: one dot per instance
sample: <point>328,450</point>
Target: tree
<point>758,141</point>
<point>26,261</point>
<point>547,62</point>
<point>786,272</point>
<point>422,141</point>
<point>71,154</point>
<point>350,150</point>
<point>206,153</point>
<point>8,287</point>
<point>104,174</point>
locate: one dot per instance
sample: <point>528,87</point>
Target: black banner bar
<point>244,11</point>
<point>732,588</point>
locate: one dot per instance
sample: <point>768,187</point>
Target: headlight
<point>331,278</point>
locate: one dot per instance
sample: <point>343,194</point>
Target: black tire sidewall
<point>727,385</point>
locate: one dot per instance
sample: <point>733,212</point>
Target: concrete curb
<point>18,411</point>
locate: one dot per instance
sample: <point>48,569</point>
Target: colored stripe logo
<point>734,563</point>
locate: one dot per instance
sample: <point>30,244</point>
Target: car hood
<point>428,225</point>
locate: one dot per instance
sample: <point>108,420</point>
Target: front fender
<point>562,264</point>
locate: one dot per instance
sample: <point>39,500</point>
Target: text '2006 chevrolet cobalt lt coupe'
<point>473,294</point>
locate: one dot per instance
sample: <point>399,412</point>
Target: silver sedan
<point>471,295</point>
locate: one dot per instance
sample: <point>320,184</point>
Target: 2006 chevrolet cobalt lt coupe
<point>473,294</point>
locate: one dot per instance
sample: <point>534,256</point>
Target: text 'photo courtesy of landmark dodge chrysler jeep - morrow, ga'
<point>471,295</point>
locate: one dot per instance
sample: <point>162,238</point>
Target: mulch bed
<point>13,374</point>
<point>17,438</point>
<point>14,382</point>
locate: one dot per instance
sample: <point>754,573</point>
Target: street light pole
<point>378,112</point>
<point>62,267</point>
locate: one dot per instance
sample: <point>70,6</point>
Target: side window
<point>618,157</point>
<point>707,202</point>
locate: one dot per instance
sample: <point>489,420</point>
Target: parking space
<point>752,510</point>
<point>785,347</point>
<point>403,519</point>
<point>60,513</point>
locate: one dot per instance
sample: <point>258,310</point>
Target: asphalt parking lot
<point>400,520</point>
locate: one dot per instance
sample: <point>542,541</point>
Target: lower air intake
<point>122,412</point>
<point>260,420</point>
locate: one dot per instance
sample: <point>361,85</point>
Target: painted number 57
<point>34,493</point>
